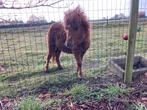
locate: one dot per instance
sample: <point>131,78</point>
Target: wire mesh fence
<point>23,45</point>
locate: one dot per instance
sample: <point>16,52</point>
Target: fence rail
<point>105,21</point>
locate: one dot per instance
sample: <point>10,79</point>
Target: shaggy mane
<point>76,18</point>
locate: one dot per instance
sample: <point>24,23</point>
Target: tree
<point>35,19</point>
<point>13,4</point>
<point>22,4</point>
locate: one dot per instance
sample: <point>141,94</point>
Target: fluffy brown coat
<point>78,35</point>
<point>56,38</point>
<point>73,37</point>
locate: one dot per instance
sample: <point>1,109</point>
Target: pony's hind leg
<point>58,60</point>
<point>47,62</point>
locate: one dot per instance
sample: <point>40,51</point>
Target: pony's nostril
<point>69,45</point>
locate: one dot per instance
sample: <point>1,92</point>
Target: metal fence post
<point>131,41</point>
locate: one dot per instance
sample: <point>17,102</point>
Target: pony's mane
<point>77,18</point>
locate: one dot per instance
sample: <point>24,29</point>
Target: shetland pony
<point>73,37</point>
<point>78,35</point>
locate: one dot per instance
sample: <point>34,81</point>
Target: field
<point>22,52</point>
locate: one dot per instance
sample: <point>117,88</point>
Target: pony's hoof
<point>80,76</point>
<point>60,68</point>
<point>46,70</point>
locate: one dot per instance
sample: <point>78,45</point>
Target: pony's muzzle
<point>68,44</point>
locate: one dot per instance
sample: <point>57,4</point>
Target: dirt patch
<point>121,102</point>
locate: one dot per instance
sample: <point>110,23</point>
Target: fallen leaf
<point>144,100</point>
<point>44,97</point>
<point>145,74</point>
<point>5,100</point>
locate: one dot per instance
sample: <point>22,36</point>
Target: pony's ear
<point>64,13</point>
<point>78,7</point>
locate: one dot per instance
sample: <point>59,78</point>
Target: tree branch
<point>30,5</point>
<point>7,21</point>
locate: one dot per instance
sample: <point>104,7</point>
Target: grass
<point>79,92</point>
<point>114,90</point>
<point>28,103</point>
<point>34,103</point>
<point>23,50</point>
<point>140,106</point>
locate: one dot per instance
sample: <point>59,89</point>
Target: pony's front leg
<point>79,64</point>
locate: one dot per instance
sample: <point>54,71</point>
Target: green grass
<point>79,92</point>
<point>111,92</point>
<point>34,103</point>
<point>139,106</point>
<point>22,52</point>
<point>114,90</point>
<point>28,103</point>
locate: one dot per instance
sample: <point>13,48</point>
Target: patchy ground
<point>105,92</point>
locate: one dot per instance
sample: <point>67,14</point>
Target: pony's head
<point>76,25</point>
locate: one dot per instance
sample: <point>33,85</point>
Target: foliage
<point>78,92</point>
<point>139,106</point>
<point>114,90</point>
<point>29,103</point>
<point>110,92</point>
<point>50,104</point>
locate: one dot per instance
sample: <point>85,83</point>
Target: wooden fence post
<point>131,41</point>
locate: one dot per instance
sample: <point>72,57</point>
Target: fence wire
<point>23,46</point>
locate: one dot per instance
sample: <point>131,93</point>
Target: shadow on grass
<point>53,84</point>
<point>29,75</point>
<point>60,85</point>
<point>21,75</point>
<point>66,82</point>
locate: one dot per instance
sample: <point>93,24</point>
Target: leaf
<point>44,97</point>
<point>144,100</point>
<point>5,100</point>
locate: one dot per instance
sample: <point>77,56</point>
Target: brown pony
<point>78,35</point>
<point>73,37</point>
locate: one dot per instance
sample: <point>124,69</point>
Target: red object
<point>125,36</point>
<point>145,74</point>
